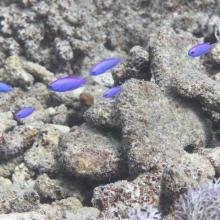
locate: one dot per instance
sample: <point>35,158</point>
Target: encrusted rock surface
<point>7,121</point>
<point>70,208</point>
<point>103,113</point>
<point>87,153</point>
<point>18,198</point>
<point>14,73</point>
<point>38,72</point>
<point>164,65</point>
<point>155,130</point>
<point>7,167</point>
<point>213,155</point>
<point>187,170</point>
<point>37,96</point>
<point>117,199</point>
<point>215,55</point>
<point>42,157</point>
<point>22,174</point>
<point>130,156</point>
<point>135,66</point>
<point>17,141</point>
<point>60,188</point>
<point>65,209</point>
<point>188,80</point>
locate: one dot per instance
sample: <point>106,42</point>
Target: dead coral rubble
<point>137,152</point>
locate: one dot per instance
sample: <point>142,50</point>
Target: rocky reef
<point>149,152</point>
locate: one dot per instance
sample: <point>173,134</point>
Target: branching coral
<point>202,203</point>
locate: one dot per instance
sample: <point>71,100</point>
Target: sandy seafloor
<point>151,152</point>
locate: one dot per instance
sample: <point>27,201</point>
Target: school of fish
<point>68,83</point>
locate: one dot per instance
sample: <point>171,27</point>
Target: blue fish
<point>200,49</point>
<point>104,65</point>
<point>112,92</point>
<point>66,83</point>
<point>5,87</point>
<point>24,112</point>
